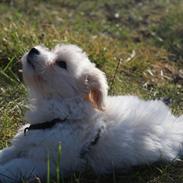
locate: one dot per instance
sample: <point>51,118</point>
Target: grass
<point>139,44</point>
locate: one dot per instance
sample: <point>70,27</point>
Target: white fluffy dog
<point>68,105</point>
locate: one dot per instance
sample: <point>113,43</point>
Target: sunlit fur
<point>133,131</point>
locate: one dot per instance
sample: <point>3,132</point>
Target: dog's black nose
<point>33,52</point>
<point>31,55</point>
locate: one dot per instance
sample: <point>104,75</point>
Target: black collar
<point>44,125</point>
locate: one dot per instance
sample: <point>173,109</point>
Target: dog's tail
<point>174,138</point>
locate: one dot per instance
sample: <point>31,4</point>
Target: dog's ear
<point>94,87</point>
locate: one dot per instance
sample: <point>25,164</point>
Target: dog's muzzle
<point>31,55</point>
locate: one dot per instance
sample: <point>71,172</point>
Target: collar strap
<point>45,125</point>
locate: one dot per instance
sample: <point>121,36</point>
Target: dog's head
<point>64,72</point>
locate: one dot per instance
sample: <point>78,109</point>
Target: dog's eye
<point>61,64</point>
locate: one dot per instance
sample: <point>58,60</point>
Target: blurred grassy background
<point>140,39</point>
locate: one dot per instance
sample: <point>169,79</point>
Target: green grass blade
<point>58,167</point>
<point>48,170</point>
<point>8,66</point>
<point>7,77</point>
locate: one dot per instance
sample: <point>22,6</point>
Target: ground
<point>138,43</point>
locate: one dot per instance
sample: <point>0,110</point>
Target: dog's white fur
<point>133,131</point>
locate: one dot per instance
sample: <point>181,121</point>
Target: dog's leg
<point>18,170</point>
<point>7,154</point>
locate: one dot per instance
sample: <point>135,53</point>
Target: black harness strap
<point>45,125</point>
<point>50,124</point>
<point>88,147</point>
